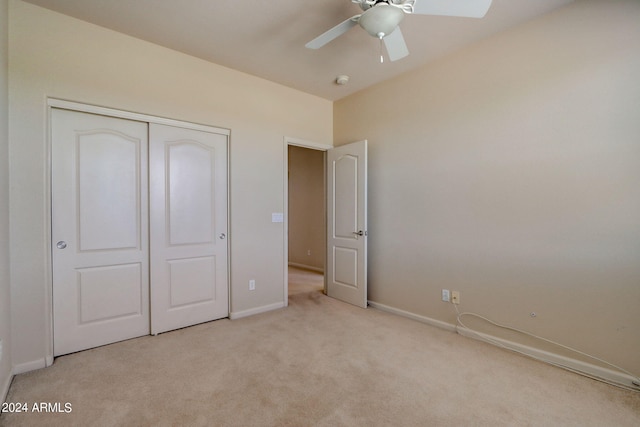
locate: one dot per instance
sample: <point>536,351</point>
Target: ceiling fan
<point>380,18</point>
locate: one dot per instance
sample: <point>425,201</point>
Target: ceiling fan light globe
<point>381,18</point>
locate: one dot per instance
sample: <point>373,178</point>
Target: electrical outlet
<point>445,295</point>
<point>455,297</point>
<point>252,285</point>
<point>309,252</point>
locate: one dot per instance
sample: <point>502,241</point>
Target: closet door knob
<point>222,236</point>
<point>61,244</point>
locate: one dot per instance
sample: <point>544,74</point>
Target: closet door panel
<point>190,193</point>
<point>99,230</point>
<point>188,217</point>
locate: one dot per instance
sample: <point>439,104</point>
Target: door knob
<point>358,233</point>
<point>222,236</point>
<point>61,244</point>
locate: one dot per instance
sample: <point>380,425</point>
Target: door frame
<point>313,146</point>
<point>52,103</point>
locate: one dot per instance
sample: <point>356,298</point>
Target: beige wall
<point>510,171</point>
<point>5,301</point>
<point>52,55</point>
<point>306,208</point>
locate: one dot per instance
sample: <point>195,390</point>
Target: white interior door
<point>99,230</point>
<point>188,201</point>
<point>346,273</point>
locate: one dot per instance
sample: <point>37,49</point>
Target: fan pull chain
<point>380,36</point>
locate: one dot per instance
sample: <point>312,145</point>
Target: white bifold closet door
<point>112,280</point>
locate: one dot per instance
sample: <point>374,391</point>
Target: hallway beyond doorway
<point>303,281</point>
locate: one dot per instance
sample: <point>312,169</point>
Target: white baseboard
<point>587,369</point>
<point>306,267</point>
<point>583,368</point>
<point>29,366</point>
<point>4,388</point>
<point>429,321</point>
<point>257,310</point>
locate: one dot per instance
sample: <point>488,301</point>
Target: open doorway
<point>306,218</point>
<point>344,179</point>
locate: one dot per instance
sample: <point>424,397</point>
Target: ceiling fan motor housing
<point>381,20</point>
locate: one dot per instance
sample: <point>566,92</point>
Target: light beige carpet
<point>318,362</point>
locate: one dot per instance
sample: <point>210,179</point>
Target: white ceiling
<point>266,38</point>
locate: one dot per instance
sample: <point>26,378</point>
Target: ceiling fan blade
<point>464,8</point>
<point>396,47</point>
<point>333,33</point>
